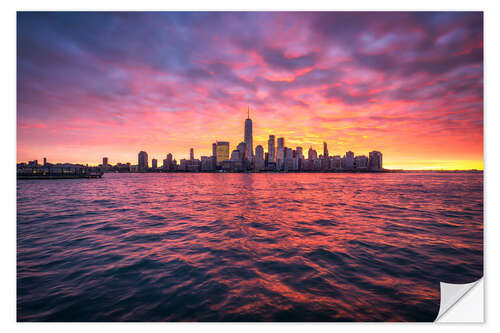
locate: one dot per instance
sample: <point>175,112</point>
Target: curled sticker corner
<point>451,294</point>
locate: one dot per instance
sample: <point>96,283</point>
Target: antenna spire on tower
<point>249,112</point>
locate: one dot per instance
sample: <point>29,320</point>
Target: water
<point>246,247</point>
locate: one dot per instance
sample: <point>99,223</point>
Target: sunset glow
<point>111,84</point>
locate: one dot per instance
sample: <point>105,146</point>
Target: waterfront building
<point>154,163</point>
<point>316,164</point>
<point>348,160</point>
<point>143,163</point>
<point>191,154</point>
<point>104,162</point>
<point>375,160</point>
<point>248,137</point>
<point>300,155</point>
<point>336,162</point>
<point>361,162</point>
<point>312,154</point>
<point>259,152</point>
<point>287,159</point>
<point>183,166</point>
<point>235,155</point>
<point>325,150</point>
<point>121,167</point>
<point>170,162</point>
<point>325,162</point>
<point>271,149</point>
<point>45,161</point>
<point>194,165</point>
<point>206,163</point>
<point>259,163</point>
<point>214,150</point>
<point>222,152</point>
<point>242,148</point>
<point>236,161</point>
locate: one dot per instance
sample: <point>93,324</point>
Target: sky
<point>409,84</point>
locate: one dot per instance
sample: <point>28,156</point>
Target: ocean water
<point>246,247</point>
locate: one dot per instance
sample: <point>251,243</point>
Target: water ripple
<point>246,247</point>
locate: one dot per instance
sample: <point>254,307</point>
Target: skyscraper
<point>191,154</point>
<point>214,150</point>
<point>154,163</point>
<point>280,152</point>
<point>143,161</point>
<point>222,152</point>
<point>271,149</point>
<point>325,150</point>
<point>249,136</point>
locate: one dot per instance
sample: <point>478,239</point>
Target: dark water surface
<point>246,247</point>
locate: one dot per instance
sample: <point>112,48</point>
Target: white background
<point>8,160</point>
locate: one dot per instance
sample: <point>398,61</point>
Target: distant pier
<point>69,171</point>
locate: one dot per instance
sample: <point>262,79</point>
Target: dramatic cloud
<point>111,84</point>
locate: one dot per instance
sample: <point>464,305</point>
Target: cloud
<point>166,80</point>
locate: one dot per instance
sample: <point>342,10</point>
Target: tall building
<point>143,161</point>
<point>325,150</point>
<point>271,149</point>
<point>45,161</point>
<point>249,136</point>
<point>375,160</point>
<point>280,153</point>
<point>154,163</point>
<point>191,154</point>
<point>222,152</point>
<point>104,162</point>
<point>280,149</point>
<point>214,150</point>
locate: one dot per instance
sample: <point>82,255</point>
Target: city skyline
<point>243,158</point>
<point>411,88</point>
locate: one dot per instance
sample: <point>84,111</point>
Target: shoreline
<point>52,177</point>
